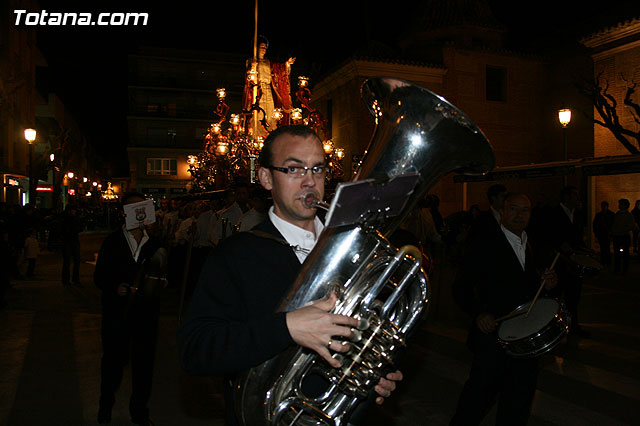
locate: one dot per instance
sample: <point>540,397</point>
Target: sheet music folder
<point>370,199</point>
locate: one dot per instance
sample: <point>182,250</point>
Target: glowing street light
<point>30,136</point>
<point>564,116</point>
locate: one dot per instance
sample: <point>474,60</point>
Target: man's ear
<point>265,177</point>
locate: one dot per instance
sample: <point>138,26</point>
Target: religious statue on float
<point>268,83</point>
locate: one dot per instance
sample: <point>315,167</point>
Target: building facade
<point>19,60</point>
<point>172,96</point>
<point>616,56</point>
<point>512,97</point>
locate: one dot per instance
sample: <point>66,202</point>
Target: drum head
<point>522,325</point>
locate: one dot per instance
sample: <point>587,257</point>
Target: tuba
<point>417,132</point>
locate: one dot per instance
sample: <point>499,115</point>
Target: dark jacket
<point>490,279</point>
<point>560,231</point>
<point>602,223</point>
<point>231,323</point>
<point>115,265</point>
<point>484,225</point>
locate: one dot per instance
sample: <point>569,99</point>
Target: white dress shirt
<point>568,211</point>
<point>250,219</point>
<point>518,244</point>
<point>232,215</point>
<point>183,234</point>
<point>133,244</point>
<point>302,240</point>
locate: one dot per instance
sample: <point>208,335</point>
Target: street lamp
<point>54,201</point>
<point>30,136</point>
<point>564,116</point>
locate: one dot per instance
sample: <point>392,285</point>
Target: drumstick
<point>510,314</point>
<point>541,285</point>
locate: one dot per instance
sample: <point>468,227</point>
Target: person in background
<point>226,220</point>
<point>31,251</point>
<point>499,273</point>
<point>129,317</point>
<point>563,233</point>
<point>623,227</point>
<point>259,202</point>
<point>602,224</point>
<point>488,221</point>
<point>636,217</point>
<point>71,227</point>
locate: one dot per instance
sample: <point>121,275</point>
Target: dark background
<point>87,65</point>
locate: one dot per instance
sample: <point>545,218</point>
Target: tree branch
<point>606,106</point>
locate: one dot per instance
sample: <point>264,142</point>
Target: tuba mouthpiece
<point>310,201</point>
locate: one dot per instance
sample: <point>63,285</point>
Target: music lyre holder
<point>368,201</point>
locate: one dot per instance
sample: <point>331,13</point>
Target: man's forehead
<point>285,144</point>
<point>518,201</point>
<point>289,137</point>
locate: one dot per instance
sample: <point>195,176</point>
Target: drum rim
<point>507,345</point>
<point>524,305</point>
<point>564,321</point>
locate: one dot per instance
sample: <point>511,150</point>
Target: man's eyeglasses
<point>300,171</point>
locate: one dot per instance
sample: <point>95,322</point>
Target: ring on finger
<point>329,344</point>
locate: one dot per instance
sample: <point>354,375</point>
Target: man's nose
<point>308,179</point>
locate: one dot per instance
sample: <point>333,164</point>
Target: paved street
<point>50,356</point>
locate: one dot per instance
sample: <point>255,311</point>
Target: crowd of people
<point>235,256</point>
<point>27,230</point>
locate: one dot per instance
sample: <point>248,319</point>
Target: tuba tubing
<point>416,131</point>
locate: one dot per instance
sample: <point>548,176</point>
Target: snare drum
<point>525,336</point>
<point>584,265</point>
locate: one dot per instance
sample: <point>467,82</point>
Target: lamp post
<point>54,192</point>
<point>564,116</point>
<point>30,136</point>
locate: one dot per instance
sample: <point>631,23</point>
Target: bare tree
<point>606,106</point>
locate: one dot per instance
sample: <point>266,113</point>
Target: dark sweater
<point>231,323</point>
<point>116,265</point>
<point>491,279</point>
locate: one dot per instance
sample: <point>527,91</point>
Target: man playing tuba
<point>232,324</point>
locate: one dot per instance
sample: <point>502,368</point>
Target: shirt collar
<point>568,211</point>
<point>515,238</point>
<point>518,244</point>
<point>134,247</point>
<point>302,240</point>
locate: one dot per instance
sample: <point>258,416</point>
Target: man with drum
<point>498,274</point>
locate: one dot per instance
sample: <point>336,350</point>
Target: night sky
<point>87,65</point>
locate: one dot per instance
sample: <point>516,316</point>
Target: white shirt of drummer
<point>518,244</point>
<point>300,239</point>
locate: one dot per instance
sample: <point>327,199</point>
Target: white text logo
<point>73,18</point>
